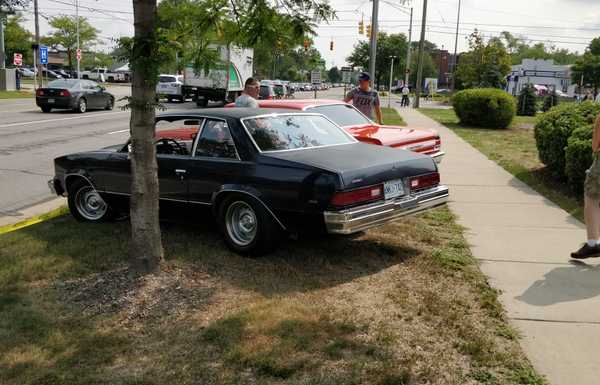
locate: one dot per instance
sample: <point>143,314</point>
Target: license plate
<point>164,86</point>
<point>50,100</point>
<point>393,189</point>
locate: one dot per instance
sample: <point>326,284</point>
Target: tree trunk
<point>146,251</point>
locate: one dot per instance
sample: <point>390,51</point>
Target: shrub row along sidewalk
<point>523,242</point>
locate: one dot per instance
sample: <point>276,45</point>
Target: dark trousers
<point>405,101</point>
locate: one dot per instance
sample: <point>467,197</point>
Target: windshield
<point>63,83</point>
<point>343,114</point>
<point>289,132</point>
<point>167,79</point>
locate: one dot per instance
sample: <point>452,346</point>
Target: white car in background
<point>171,87</point>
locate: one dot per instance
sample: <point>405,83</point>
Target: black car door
<point>92,92</point>
<point>214,163</point>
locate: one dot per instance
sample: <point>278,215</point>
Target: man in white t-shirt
<point>249,95</point>
<point>405,100</point>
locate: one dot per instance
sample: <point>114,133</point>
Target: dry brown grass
<point>402,304</point>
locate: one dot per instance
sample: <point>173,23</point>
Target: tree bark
<point>146,251</point>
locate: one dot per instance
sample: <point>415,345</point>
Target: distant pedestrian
<point>592,202</point>
<point>249,95</point>
<point>405,99</point>
<point>365,99</point>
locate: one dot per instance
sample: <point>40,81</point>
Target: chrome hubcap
<point>241,223</point>
<point>90,204</point>
<point>82,106</point>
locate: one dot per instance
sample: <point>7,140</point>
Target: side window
<point>215,141</point>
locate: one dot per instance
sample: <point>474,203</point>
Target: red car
<point>424,141</point>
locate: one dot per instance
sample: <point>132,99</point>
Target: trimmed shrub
<point>550,101</point>
<point>578,156</point>
<point>526,105</point>
<point>484,107</point>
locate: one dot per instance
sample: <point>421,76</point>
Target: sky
<point>567,24</point>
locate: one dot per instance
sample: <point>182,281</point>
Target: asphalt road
<point>30,140</point>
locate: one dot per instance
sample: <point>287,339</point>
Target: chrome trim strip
<point>79,175</point>
<point>255,197</point>
<point>162,199</point>
<point>360,218</point>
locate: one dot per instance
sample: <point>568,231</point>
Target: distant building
<point>540,72</point>
<point>444,61</point>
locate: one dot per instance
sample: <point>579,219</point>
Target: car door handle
<point>180,172</point>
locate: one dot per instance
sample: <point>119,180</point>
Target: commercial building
<point>540,72</point>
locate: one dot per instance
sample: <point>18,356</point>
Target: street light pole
<point>407,72</point>
<point>36,63</point>
<point>2,53</point>
<point>390,88</point>
<point>421,54</point>
<point>373,53</point>
<point>77,21</point>
<point>455,49</point>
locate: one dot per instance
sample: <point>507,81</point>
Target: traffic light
<point>361,27</point>
<point>306,44</point>
<point>331,45</point>
<point>369,31</point>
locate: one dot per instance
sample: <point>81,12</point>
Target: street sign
<point>315,77</point>
<point>346,75</point>
<point>43,54</point>
<point>18,59</point>
<point>78,54</point>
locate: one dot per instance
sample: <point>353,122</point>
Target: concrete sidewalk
<point>523,242</point>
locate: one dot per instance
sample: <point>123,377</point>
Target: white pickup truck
<point>225,81</point>
<point>104,75</point>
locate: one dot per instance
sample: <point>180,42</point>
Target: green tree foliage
<point>387,45</point>
<point>588,66</point>
<point>429,68</point>
<point>484,107</point>
<point>290,64</point>
<point>526,106</point>
<point>64,35</point>
<point>518,49</point>
<point>334,75</point>
<point>17,39</point>
<point>485,65</point>
<point>14,4</point>
<point>91,60</point>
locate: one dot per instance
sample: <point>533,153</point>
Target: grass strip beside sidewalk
<point>391,117</point>
<point>400,304</point>
<point>16,94</point>
<point>515,150</point>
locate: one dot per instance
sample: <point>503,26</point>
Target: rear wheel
<point>46,109</point>
<point>86,204</point>
<point>202,101</point>
<point>247,226</point>
<point>169,99</point>
<point>81,106</point>
<point>110,104</point>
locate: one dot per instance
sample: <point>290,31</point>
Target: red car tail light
<point>361,195</point>
<point>39,92</point>
<point>424,181</point>
<point>438,144</point>
<point>65,93</point>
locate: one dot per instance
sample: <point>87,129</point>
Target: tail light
<point>438,144</point>
<point>361,195</point>
<point>39,92</point>
<point>269,97</point>
<point>64,93</point>
<point>424,181</point>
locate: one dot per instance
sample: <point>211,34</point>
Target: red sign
<point>18,59</point>
<point>78,54</point>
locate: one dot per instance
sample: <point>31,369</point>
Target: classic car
<point>421,140</point>
<point>262,173</point>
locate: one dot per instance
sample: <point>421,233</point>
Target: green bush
<point>553,130</point>
<point>526,106</point>
<point>578,156</point>
<point>550,101</point>
<point>484,107</point>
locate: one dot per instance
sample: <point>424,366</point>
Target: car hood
<point>361,164</point>
<point>392,136</point>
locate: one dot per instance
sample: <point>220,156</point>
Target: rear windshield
<point>343,114</point>
<point>290,132</point>
<point>64,83</point>
<point>264,91</point>
<point>167,79</point>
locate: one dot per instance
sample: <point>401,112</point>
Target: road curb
<point>62,210</point>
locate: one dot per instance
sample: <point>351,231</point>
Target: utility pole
<point>2,53</point>
<point>407,72</point>
<point>421,55</point>
<point>373,53</point>
<point>37,44</point>
<point>391,76</point>
<point>77,21</point>
<point>455,61</point>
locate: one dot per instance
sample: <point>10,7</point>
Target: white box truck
<point>225,81</point>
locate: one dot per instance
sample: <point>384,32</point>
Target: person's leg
<point>591,214</point>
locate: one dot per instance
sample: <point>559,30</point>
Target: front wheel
<point>110,104</point>
<point>247,226</point>
<point>86,204</point>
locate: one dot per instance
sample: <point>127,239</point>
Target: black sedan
<point>74,94</point>
<point>262,173</point>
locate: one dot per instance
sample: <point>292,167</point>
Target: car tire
<point>86,204</point>
<point>46,109</point>
<point>110,104</point>
<point>249,229</point>
<point>202,102</point>
<point>81,106</point>
<point>169,99</point>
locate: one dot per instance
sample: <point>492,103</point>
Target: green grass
<point>15,94</point>
<point>401,304</point>
<point>515,150</point>
<point>391,117</point>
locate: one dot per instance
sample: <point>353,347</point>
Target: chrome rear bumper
<point>437,156</point>
<point>376,214</point>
